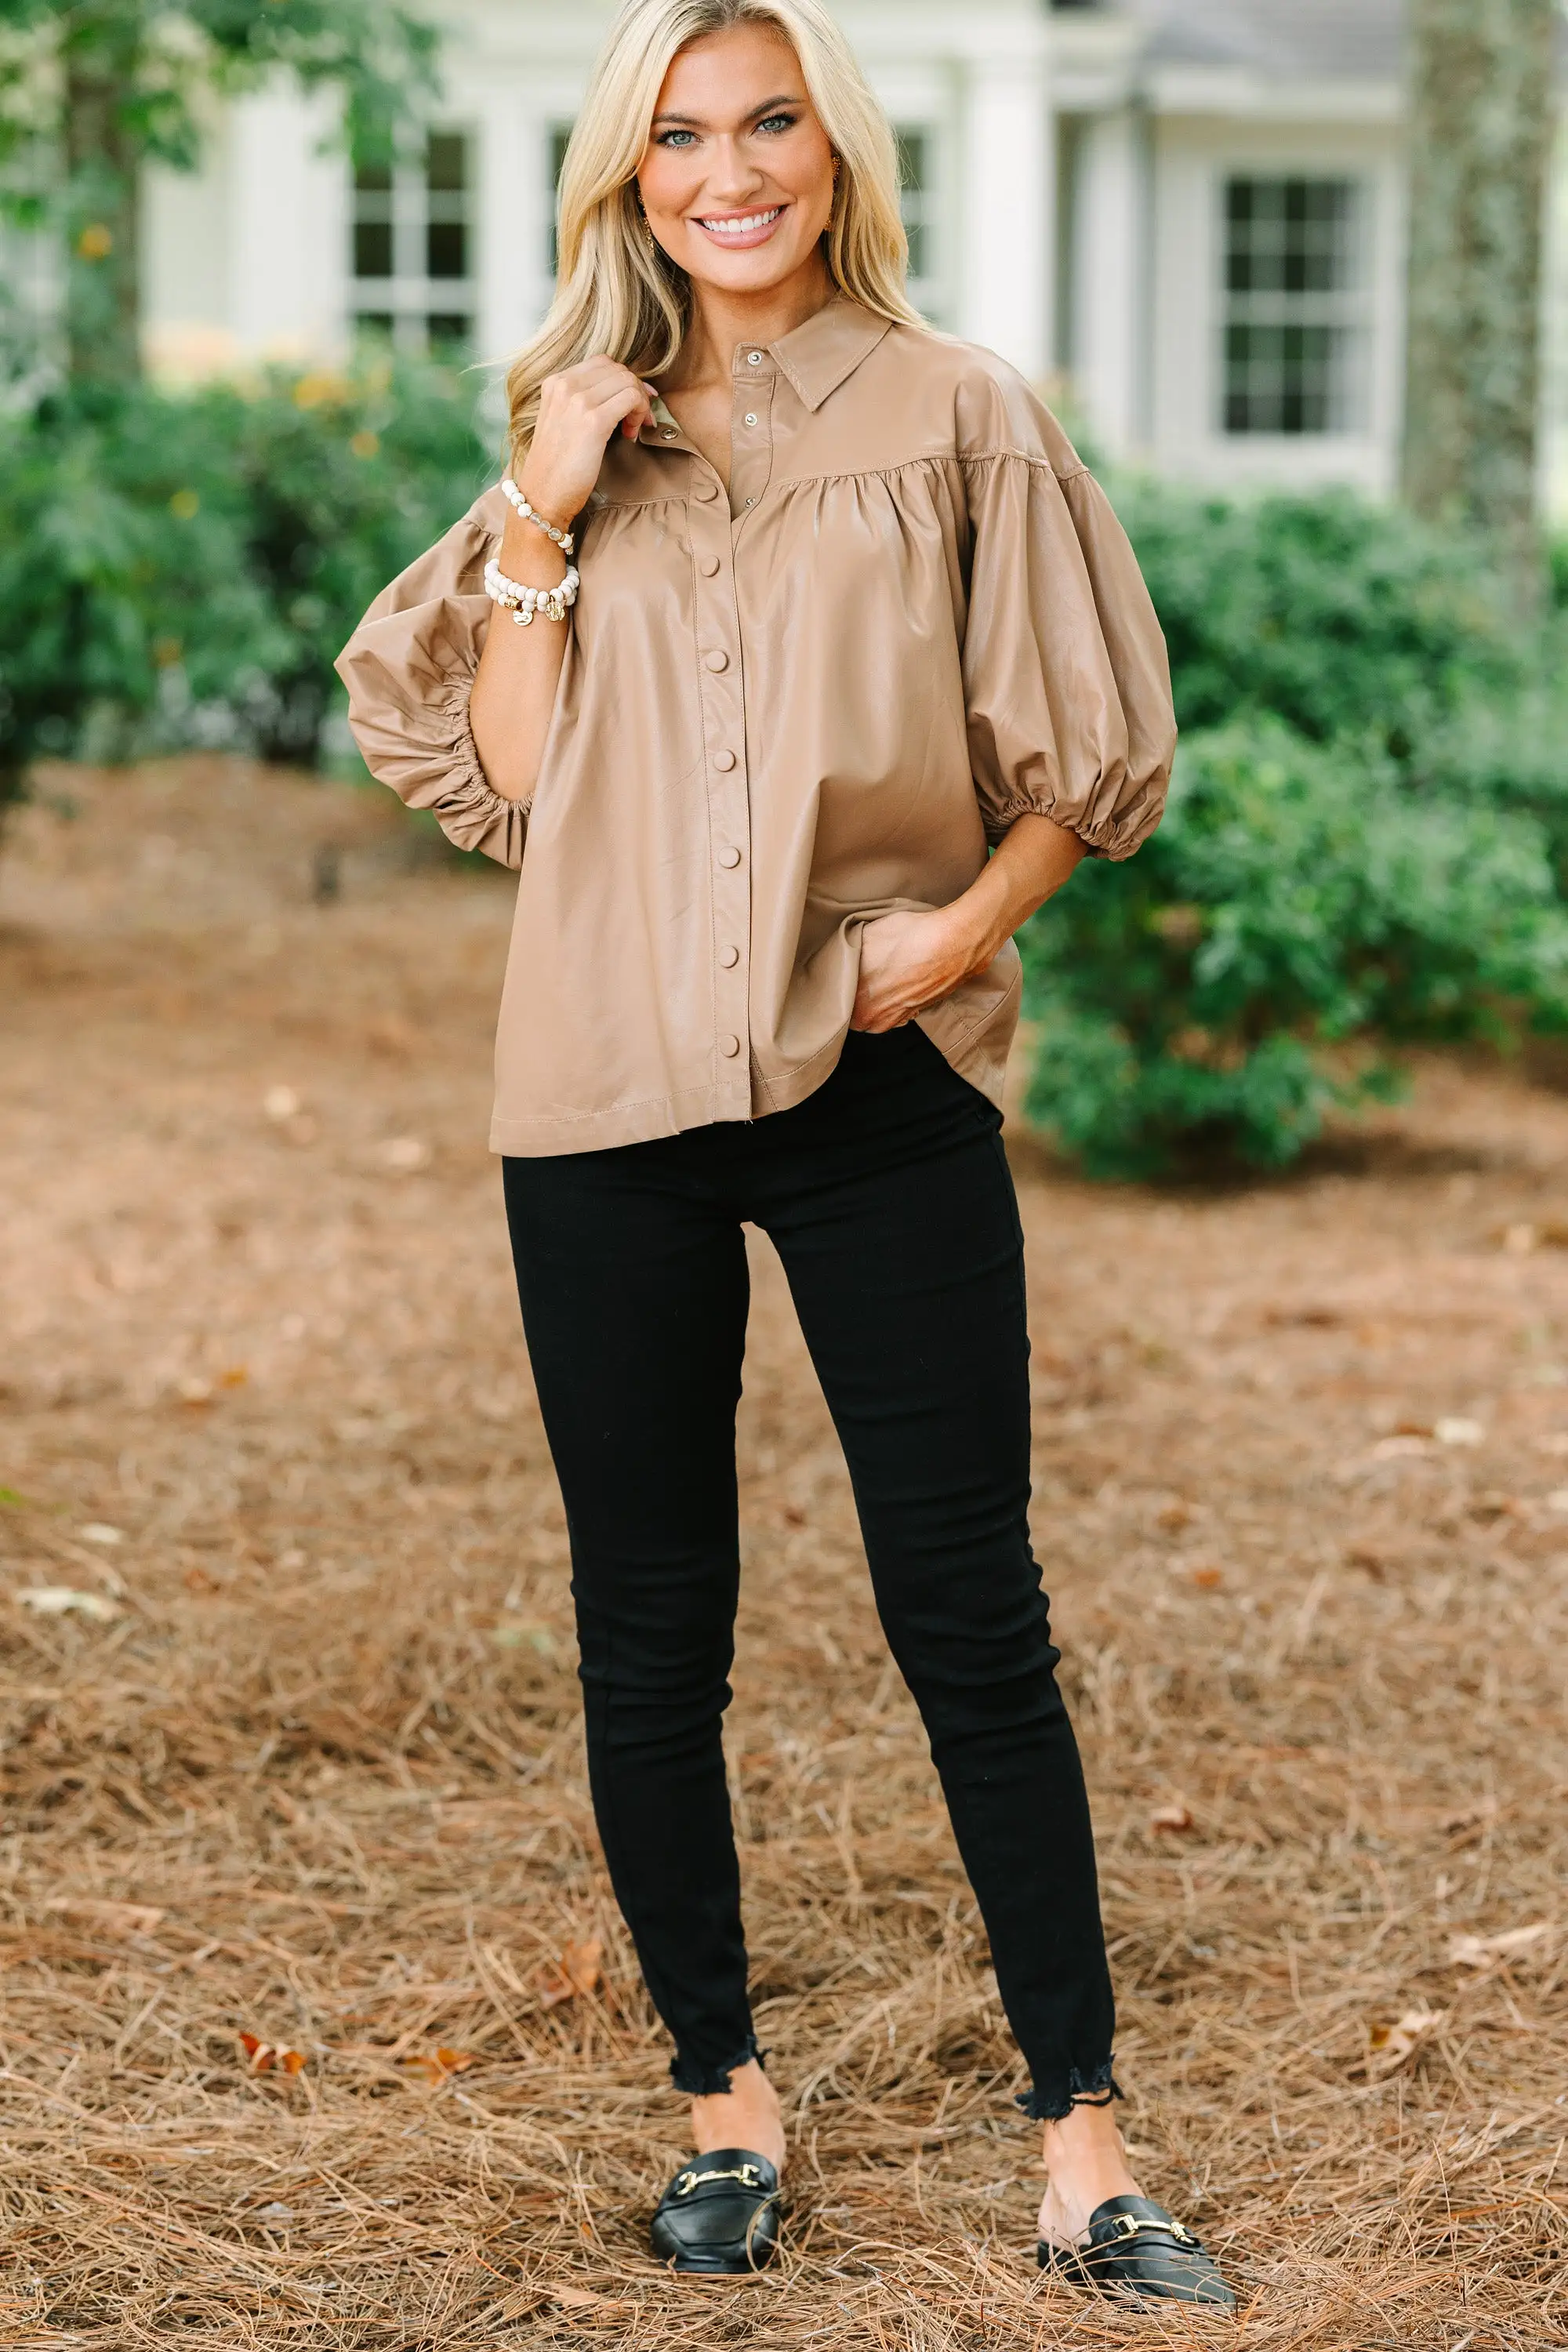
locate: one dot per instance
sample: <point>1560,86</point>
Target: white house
<point>1188,213</point>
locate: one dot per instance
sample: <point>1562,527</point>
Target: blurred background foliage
<point>180,569</point>
<point>1367,842</point>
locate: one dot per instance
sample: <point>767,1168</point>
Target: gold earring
<point>837,167</point>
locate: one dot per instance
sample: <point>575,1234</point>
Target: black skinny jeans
<point>887,1196</point>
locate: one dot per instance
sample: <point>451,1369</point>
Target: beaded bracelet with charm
<point>514,596</point>
<point>511,492</point>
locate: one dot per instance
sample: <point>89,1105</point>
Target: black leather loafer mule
<point>1134,2251</point>
<point>720,2217</point>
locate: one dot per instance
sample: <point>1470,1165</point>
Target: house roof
<point>1317,40</point>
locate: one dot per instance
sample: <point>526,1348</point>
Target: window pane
<point>1291,267</point>
<point>374,176</point>
<point>373,322</point>
<point>1287,379</point>
<point>446,161</point>
<point>372,248</point>
<point>446,249</point>
<point>449,332</point>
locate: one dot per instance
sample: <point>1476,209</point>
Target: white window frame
<point>1345,310</point>
<point>410,297</point>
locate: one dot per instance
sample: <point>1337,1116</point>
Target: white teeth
<point>742,227</point>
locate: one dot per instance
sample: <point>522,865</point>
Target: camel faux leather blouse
<point>781,715</point>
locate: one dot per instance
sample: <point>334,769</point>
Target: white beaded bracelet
<point>514,496</point>
<point>514,596</point>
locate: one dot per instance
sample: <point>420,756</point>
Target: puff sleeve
<point>1067,682</point>
<point>409,670</point>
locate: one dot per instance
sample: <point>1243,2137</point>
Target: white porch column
<point>288,261</point>
<point>1005,291</point>
<point>511,205</point>
<point>1108,288</point>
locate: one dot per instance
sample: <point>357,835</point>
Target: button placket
<point>750,430</point>
<point>721,694</point>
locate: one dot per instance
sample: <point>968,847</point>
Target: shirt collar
<point>817,355</point>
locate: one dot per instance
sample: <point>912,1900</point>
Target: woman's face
<point>737,178</point>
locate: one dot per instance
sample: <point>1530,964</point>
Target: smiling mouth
<point>742,227</point>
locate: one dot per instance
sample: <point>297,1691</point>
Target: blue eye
<point>776,122</point>
<point>675,138</point>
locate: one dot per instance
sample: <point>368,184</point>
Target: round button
<point>751,416</point>
<point>730,856</point>
<point>728,958</point>
<point>751,502</point>
<point>668,432</point>
<point>724,761</point>
<point>728,1046</point>
<point>709,566</point>
<point>706,491</point>
<point>754,359</point>
<point>717,660</point>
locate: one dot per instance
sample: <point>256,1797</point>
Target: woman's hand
<point>909,961</point>
<point>578,410</point>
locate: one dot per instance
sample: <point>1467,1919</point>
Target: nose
<point>733,176</point>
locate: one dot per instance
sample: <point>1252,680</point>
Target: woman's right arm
<point>520,668</point>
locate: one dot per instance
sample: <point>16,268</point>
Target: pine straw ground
<point>317,1777</point>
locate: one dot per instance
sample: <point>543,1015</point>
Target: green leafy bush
<point>1296,913</point>
<point>122,587</point>
<point>344,481</point>
<point>183,569</point>
<point>1339,617</point>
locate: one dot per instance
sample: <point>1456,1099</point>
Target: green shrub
<point>183,568</point>
<point>1296,911</point>
<point>1339,617</point>
<point>124,589</point>
<point>344,480</point>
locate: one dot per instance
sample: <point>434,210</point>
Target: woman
<point>850,612</point>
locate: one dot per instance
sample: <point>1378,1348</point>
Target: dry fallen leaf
<point>581,2298</point>
<point>1454,1431</point>
<point>1490,1951</point>
<point>112,1918</point>
<point>1208,1580</point>
<point>95,1531</point>
<point>1173,1817</point>
<point>1388,2047</point>
<point>65,1601</point>
<point>264,2057</point>
<point>1175,1517</point>
<point>579,1970</point>
<point>281,1103</point>
<point>1402,1443</point>
<point>438,2066</point>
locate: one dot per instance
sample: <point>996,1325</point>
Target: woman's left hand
<point>909,962</point>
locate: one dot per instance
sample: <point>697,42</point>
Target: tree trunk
<point>1482,119</point>
<point>103,262</point>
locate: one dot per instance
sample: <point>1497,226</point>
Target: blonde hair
<point>617,295</point>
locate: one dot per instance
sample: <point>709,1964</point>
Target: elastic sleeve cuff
<point>469,811</point>
<point>1114,837</point>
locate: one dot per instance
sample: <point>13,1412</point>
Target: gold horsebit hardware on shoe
<point>746,2174</point>
<point>1126,2226</point>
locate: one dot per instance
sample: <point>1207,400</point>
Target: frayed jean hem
<point>1053,2106</point>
